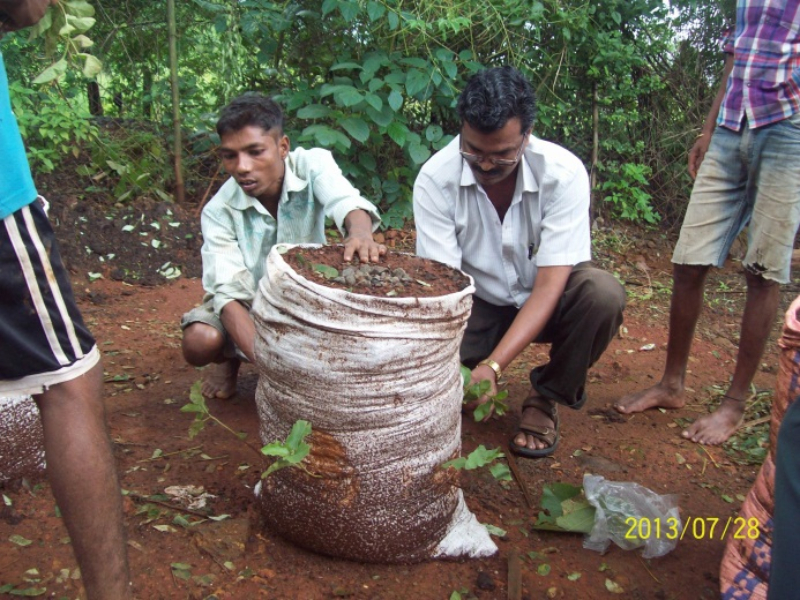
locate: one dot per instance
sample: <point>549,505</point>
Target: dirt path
<point>175,555</point>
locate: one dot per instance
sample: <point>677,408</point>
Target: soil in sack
<point>375,370</point>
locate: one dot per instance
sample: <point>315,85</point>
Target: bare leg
<point>684,311</point>
<point>763,297</point>
<point>81,470</point>
<point>202,345</point>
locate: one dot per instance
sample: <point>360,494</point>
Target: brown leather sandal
<point>549,435</point>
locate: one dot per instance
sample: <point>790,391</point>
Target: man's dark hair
<point>493,96</point>
<point>250,110</point>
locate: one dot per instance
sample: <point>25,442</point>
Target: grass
<point>750,443</point>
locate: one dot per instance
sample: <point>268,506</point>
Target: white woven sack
<point>379,381</point>
<point>21,438</point>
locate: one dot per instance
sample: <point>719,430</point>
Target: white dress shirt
<point>238,232</point>
<point>547,223</point>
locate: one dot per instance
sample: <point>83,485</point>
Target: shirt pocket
<point>526,273</point>
<point>780,27</point>
<point>527,267</point>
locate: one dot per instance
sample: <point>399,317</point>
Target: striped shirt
<point>547,223</point>
<point>764,86</point>
<point>238,232</point>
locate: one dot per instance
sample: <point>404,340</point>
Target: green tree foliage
<point>376,81</point>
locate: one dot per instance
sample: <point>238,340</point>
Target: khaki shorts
<point>747,179</point>
<point>205,314</point>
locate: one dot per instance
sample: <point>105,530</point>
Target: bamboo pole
<point>176,112</point>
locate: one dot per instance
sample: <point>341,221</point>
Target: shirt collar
<point>291,181</point>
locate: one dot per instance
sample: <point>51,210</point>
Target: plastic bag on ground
<point>631,516</point>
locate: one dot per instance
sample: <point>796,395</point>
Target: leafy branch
<point>476,391</point>
<point>66,22</point>
<point>481,457</point>
<point>290,452</point>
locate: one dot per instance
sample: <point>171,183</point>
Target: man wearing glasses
<point>512,211</point>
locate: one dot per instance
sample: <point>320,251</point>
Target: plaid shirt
<point>764,85</point>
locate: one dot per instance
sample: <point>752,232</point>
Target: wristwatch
<point>493,366</point>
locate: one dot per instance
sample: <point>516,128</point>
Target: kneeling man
<point>275,195</point>
<point>512,210</point>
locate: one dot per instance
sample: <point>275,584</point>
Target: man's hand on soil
<point>367,249</point>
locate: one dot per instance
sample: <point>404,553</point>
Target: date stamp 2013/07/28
<point>698,528</point>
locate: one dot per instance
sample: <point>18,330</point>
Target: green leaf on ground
<point>500,472</point>
<point>566,509</point>
<point>494,530</point>
<point>326,271</point>
<point>19,540</point>
<point>480,457</point>
<point>181,570</point>
<point>28,592</point>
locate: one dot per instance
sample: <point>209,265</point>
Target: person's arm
<point>240,326</point>
<point>225,273</point>
<point>359,241</point>
<point>698,151</point>
<point>530,321</point>
<point>16,14</point>
<point>435,222</point>
<point>355,216</point>
<point>226,276</point>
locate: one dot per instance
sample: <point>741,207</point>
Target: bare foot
<point>220,379</point>
<point>717,427</point>
<point>657,396</point>
<point>533,417</point>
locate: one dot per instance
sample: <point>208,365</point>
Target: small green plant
<point>292,451</point>
<point>750,443</point>
<point>135,164</point>
<point>481,457</point>
<point>474,391</point>
<point>51,127</point>
<point>462,594</point>
<point>624,188</point>
<point>197,405</point>
<point>289,453</point>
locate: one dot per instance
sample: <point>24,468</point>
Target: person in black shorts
<point>47,352</point>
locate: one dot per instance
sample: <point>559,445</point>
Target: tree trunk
<point>147,94</point>
<point>176,114</point>
<point>93,94</point>
<point>595,146</point>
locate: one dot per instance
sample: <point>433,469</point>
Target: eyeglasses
<point>475,159</point>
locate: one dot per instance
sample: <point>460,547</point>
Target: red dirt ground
<point>176,554</point>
